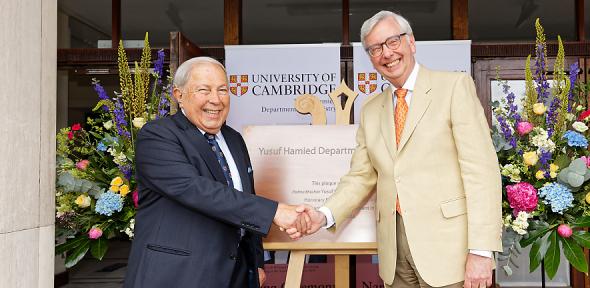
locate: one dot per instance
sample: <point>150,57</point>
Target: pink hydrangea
<point>586,160</point>
<point>82,164</point>
<point>524,128</point>
<point>135,196</point>
<point>94,233</point>
<point>522,197</point>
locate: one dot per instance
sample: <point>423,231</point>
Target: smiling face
<point>205,97</point>
<point>395,65</point>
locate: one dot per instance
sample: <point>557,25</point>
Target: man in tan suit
<point>424,141</point>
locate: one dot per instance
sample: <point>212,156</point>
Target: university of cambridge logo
<point>238,84</point>
<point>366,84</point>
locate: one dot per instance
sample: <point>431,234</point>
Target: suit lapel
<point>233,142</point>
<point>197,138</point>
<point>387,122</point>
<point>420,102</point>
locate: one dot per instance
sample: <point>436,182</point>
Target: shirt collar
<point>217,135</point>
<point>411,81</point>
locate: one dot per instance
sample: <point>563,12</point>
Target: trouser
<point>406,274</point>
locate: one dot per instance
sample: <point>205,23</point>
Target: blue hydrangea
<point>558,196</point>
<point>108,203</point>
<point>101,147</point>
<point>575,139</point>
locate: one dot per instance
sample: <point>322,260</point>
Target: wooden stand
<point>342,251</point>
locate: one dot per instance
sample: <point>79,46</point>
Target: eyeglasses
<point>392,43</point>
<point>206,91</point>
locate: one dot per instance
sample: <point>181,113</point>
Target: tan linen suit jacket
<point>445,172</point>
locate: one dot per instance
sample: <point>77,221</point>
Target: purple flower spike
<point>102,94</point>
<point>573,77</point>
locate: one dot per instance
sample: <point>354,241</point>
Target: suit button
<point>233,257</point>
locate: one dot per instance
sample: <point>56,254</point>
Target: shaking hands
<point>298,221</point>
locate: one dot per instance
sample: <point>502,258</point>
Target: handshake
<point>298,221</point>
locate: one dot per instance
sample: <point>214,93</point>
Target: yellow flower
<point>540,175</point>
<point>83,201</point>
<point>124,190</point>
<point>117,181</point>
<point>539,108</point>
<point>553,170</point>
<point>588,198</point>
<point>530,158</point>
<point>114,188</point>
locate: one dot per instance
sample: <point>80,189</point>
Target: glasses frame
<point>380,45</point>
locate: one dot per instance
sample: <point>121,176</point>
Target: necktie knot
<point>209,136</point>
<point>400,93</point>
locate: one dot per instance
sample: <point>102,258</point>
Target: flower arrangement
<point>96,192</point>
<point>542,148</point>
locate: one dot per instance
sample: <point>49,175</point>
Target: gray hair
<point>381,15</point>
<point>183,72</point>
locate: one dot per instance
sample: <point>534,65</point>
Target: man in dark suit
<point>199,223</point>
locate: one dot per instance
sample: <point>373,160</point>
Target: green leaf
<point>575,180</point>
<point>562,161</point>
<point>532,237</point>
<point>574,254</point>
<point>582,222</point>
<point>70,244</point>
<point>538,251</point>
<point>582,238</point>
<point>552,255</point>
<point>99,247</point>
<point>75,255</point>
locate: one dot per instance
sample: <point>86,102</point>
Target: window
<point>88,22</point>
<point>291,21</point>
<point>509,20</point>
<point>430,19</point>
<point>200,21</point>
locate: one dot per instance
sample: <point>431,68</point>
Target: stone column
<point>27,141</point>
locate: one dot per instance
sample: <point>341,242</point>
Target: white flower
<point>540,139</point>
<point>580,126</point>
<point>130,229</point>
<point>138,122</point>
<point>108,125</point>
<point>521,223</point>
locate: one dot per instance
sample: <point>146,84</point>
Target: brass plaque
<point>303,164</point>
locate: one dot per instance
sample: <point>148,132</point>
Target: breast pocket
<point>454,207</point>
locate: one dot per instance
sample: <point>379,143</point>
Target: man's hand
<point>478,271</point>
<point>261,276</point>
<point>293,218</point>
<point>317,218</point>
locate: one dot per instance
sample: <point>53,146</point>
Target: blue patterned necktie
<point>220,158</point>
<point>224,167</point>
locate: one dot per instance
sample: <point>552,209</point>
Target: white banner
<point>265,80</point>
<point>452,55</point>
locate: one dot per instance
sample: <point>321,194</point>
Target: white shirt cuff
<point>483,253</point>
<point>329,217</point>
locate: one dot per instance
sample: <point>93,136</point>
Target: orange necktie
<point>401,109</point>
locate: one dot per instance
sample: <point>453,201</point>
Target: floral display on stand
<point>96,192</point>
<point>542,147</point>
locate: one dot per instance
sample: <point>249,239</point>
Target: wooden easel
<point>342,251</point>
<point>310,104</point>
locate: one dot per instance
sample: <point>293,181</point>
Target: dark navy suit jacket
<point>188,221</point>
